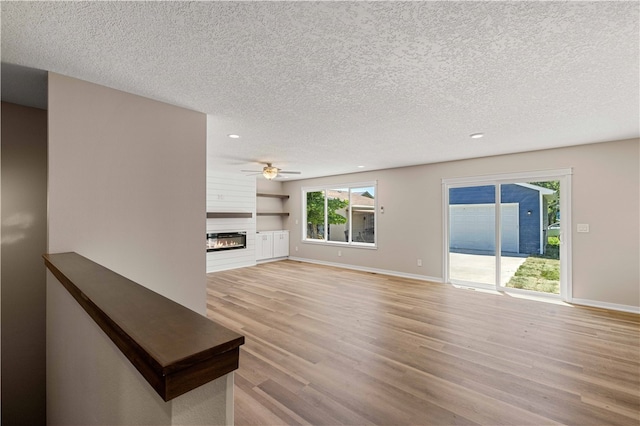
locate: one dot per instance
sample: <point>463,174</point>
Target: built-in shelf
<point>281,196</point>
<point>228,215</point>
<point>261,194</point>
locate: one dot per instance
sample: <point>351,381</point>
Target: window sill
<point>341,244</point>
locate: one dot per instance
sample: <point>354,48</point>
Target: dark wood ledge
<point>228,215</point>
<point>173,347</point>
<point>262,194</point>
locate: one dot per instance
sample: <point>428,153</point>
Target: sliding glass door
<point>507,232</point>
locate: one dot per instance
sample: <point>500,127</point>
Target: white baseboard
<point>373,270</point>
<point>606,305</point>
<point>271,259</point>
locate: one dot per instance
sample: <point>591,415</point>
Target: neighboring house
<point>363,205</point>
<point>523,212</point>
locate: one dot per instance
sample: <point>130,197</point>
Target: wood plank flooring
<point>329,346</point>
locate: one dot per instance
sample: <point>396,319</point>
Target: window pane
<point>363,206</point>
<point>472,234</point>
<point>338,214</point>
<point>535,265</point>
<point>315,215</point>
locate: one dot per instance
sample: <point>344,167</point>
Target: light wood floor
<point>328,346</point>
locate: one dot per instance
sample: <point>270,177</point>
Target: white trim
<point>445,233</point>
<point>497,203</point>
<point>541,219</point>
<point>505,177</point>
<point>366,246</point>
<point>349,187</point>
<point>271,259</point>
<point>606,305</point>
<point>372,270</point>
<point>340,185</point>
<point>566,260</point>
<point>541,190</point>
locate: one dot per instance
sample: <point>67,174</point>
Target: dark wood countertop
<point>173,347</point>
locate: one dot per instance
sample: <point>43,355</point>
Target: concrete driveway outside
<point>481,268</point>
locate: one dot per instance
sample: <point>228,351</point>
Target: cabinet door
<point>267,249</point>
<point>264,245</point>
<point>281,244</point>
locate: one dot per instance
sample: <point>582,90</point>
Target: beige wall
<point>267,204</point>
<point>127,179</point>
<point>24,224</point>
<point>605,196</point>
<point>93,383</point>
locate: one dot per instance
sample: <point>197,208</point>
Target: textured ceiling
<point>324,87</point>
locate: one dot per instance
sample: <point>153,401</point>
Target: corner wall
<point>605,182</point>
<point>127,179</point>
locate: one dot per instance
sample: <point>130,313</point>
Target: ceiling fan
<point>270,172</point>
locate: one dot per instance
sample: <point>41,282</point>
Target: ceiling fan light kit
<point>270,172</point>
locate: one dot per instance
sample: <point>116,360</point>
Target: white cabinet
<point>264,245</point>
<point>280,243</point>
<point>272,244</point>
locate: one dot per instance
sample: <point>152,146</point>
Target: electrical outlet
<point>419,262</point>
<point>296,248</point>
<point>583,227</point>
<point>339,253</point>
<point>296,221</point>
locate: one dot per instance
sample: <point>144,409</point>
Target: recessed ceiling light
<point>476,135</point>
<point>234,136</point>
<point>361,167</point>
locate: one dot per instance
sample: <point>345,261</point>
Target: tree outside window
<point>341,214</point>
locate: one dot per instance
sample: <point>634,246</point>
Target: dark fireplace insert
<point>218,241</point>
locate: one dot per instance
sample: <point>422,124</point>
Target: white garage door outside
<point>472,227</point>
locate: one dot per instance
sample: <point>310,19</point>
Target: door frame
<point>562,175</point>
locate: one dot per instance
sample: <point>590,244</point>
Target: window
<point>341,214</point>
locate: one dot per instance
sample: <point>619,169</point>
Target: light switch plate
<point>583,227</point>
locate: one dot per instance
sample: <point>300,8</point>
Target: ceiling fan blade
<point>289,173</point>
<point>251,171</point>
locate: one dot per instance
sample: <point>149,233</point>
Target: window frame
<point>325,189</point>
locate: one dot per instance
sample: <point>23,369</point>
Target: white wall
<point>127,182</point>
<point>606,178</point>
<point>231,193</point>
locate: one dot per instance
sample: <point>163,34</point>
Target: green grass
<point>537,274</point>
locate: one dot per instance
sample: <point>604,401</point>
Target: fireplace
<point>219,241</point>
